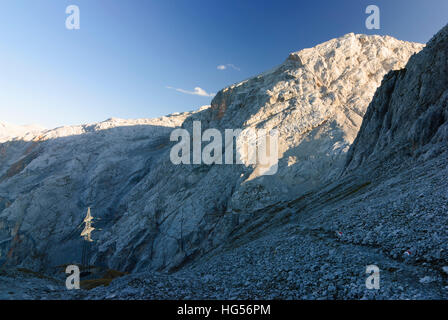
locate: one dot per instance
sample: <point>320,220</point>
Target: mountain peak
<point>407,117</point>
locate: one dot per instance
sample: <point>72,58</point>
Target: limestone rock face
<point>316,100</point>
<point>47,182</point>
<point>408,115</point>
<point>157,215</point>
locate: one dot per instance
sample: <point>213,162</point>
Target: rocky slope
<point>388,208</point>
<point>158,216</point>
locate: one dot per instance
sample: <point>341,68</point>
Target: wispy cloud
<point>229,65</point>
<point>198,91</point>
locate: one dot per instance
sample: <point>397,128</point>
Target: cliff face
<point>407,117</point>
<point>157,215</point>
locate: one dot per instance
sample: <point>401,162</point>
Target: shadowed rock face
<point>156,215</point>
<point>408,115</point>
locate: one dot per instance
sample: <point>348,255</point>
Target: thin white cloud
<point>234,67</point>
<point>229,65</point>
<point>198,91</point>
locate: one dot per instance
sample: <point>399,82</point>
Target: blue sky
<point>130,56</point>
